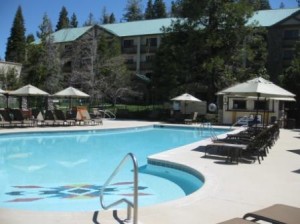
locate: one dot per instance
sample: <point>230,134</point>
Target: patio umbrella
<point>28,90</point>
<point>70,93</point>
<point>2,91</point>
<point>186,98</point>
<point>258,87</point>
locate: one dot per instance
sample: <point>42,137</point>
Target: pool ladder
<point>210,128</point>
<point>108,114</point>
<point>130,205</point>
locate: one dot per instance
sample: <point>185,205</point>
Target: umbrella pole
<point>7,102</point>
<point>258,95</point>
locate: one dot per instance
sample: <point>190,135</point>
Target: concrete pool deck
<point>230,190</point>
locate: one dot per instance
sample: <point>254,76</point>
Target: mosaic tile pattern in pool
<point>30,193</point>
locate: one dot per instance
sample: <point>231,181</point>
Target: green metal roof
<point>268,18</point>
<point>68,34</point>
<point>264,18</point>
<point>138,28</point>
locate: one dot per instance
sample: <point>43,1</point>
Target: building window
<point>150,58</point>
<point>291,34</point>
<point>239,104</point>
<point>129,61</point>
<point>128,43</point>
<point>260,105</point>
<point>152,42</point>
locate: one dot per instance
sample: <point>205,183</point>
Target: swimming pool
<point>65,170</point>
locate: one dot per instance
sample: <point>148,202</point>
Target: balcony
<point>131,65</point>
<point>148,49</point>
<point>129,50</point>
<point>289,43</point>
<point>146,65</point>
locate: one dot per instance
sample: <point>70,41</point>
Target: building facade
<point>141,39</point>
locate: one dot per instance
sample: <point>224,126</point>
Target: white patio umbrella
<point>28,90</point>
<point>257,87</point>
<point>185,98</point>
<point>2,91</point>
<point>70,93</point>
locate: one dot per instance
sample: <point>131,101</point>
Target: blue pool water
<point>65,170</point>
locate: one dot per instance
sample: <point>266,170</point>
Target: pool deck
<point>230,190</point>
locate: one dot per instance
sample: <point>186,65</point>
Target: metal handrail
<point>244,118</point>
<point>108,113</point>
<point>130,204</point>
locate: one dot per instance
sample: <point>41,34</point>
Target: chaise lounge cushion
<point>277,214</point>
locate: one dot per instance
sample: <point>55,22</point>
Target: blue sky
<point>33,11</point>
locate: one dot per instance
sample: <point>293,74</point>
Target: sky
<point>34,10</point>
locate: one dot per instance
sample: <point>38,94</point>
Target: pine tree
<point>149,13</point>
<point>159,9</point>
<point>105,17</point>
<point>259,4</point>
<point>133,11</point>
<point>175,9</point>
<point>30,38</point>
<point>90,21</point>
<point>281,6</point>
<point>291,76</point>
<point>45,27</point>
<point>16,43</point>
<point>224,50</point>
<point>112,18</point>
<point>63,20</point>
<point>74,22</point>
<point>264,4</point>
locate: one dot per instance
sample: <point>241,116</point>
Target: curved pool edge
<point>210,185</point>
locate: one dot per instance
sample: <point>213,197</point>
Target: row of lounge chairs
<point>254,142</point>
<point>14,118</point>
<point>275,214</point>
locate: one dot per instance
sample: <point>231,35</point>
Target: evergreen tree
<point>30,38</point>
<point>133,11</point>
<point>149,12</point>
<point>207,59</point>
<point>74,21</point>
<point>63,20</point>
<point>90,21</point>
<point>281,6</point>
<point>291,77</point>
<point>43,66</point>
<point>16,43</point>
<point>259,4</point>
<point>264,4</point>
<point>105,17</point>
<point>159,9</point>
<point>45,27</point>
<point>112,18</point>
<point>175,9</point>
